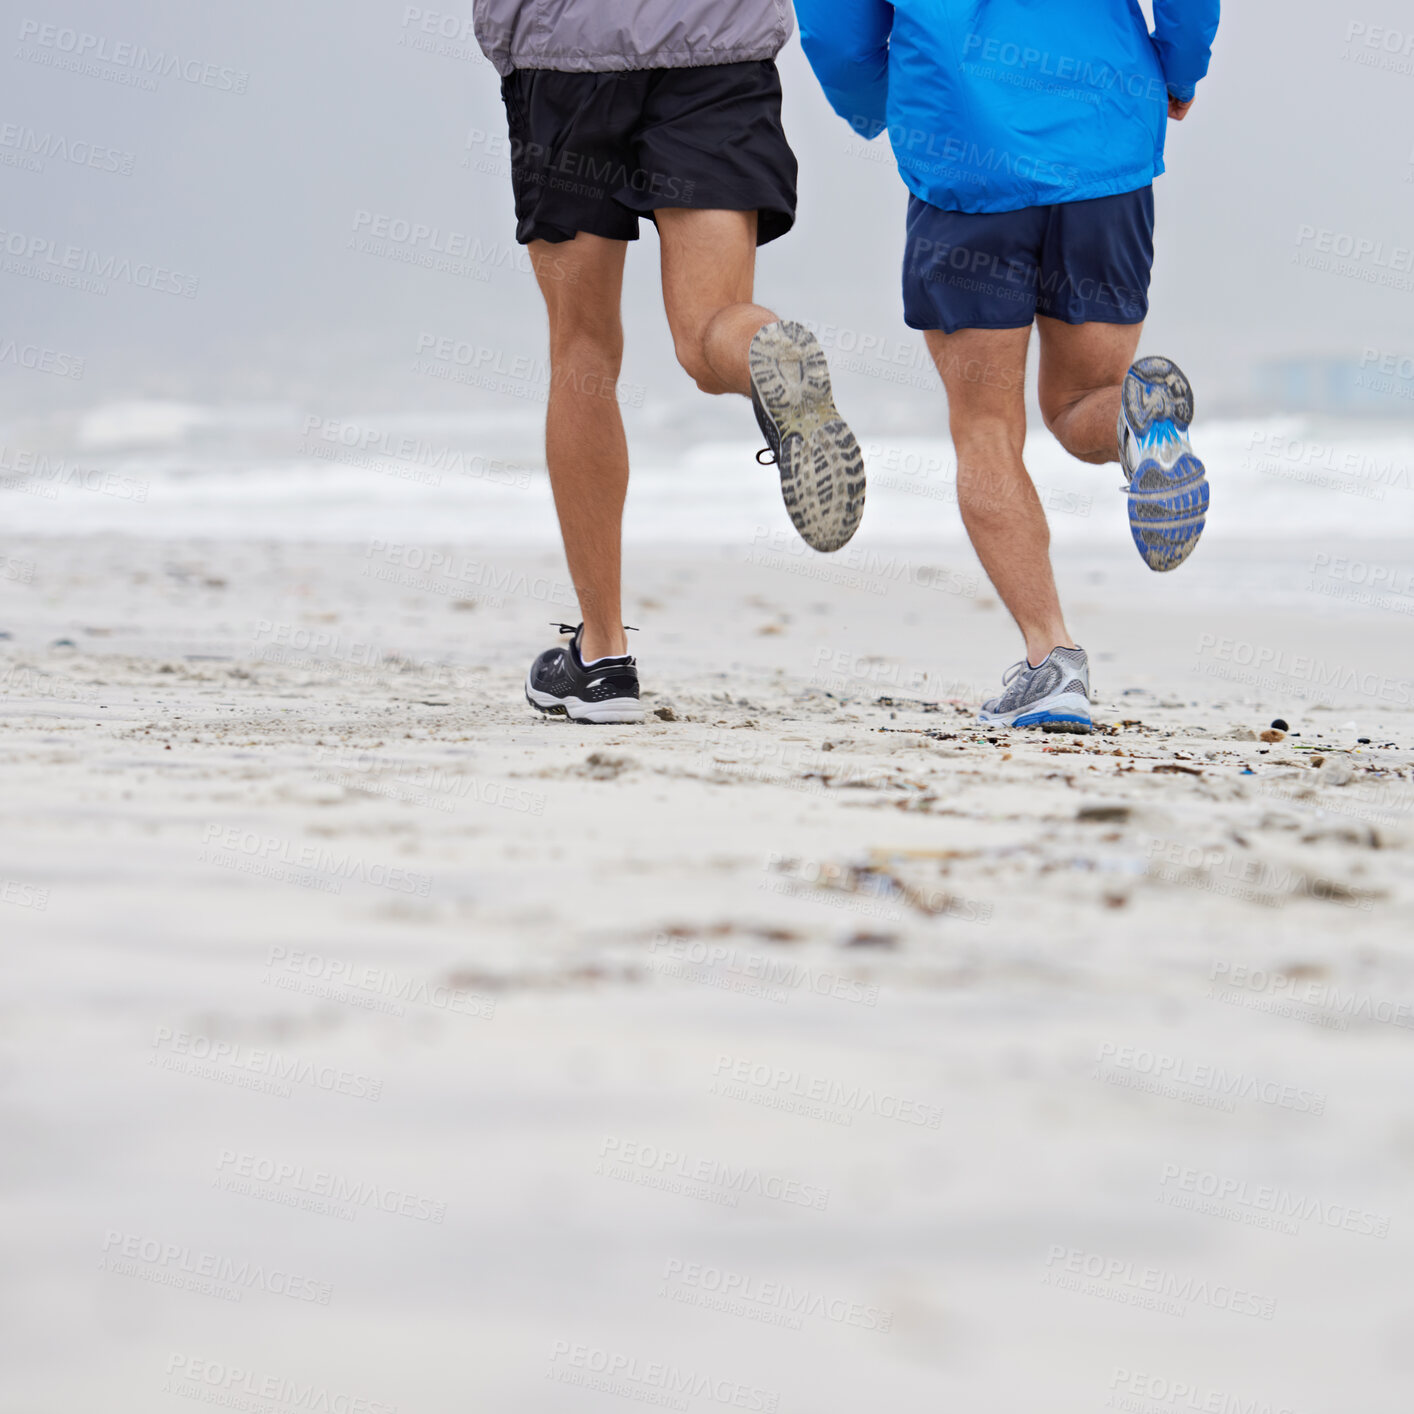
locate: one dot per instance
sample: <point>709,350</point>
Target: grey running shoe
<point>1168,486</point>
<point>1055,695</point>
<point>821,466</point>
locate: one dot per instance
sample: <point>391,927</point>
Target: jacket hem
<point>581,63</point>
<point>946,199</point>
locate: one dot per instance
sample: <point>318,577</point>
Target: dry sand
<point>367,1037</point>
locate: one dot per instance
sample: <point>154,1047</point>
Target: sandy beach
<point>370,1044</point>
<point>368,1038</point>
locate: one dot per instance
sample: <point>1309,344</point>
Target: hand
<point>1179,111</point>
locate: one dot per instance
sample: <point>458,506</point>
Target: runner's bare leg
<point>585,448</point>
<point>984,372</point>
<point>709,265</point>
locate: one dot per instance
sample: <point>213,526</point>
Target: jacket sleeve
<point>1183,35</point>
<point>847,43</point>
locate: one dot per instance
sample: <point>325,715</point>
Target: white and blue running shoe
<point>1055,695</point>
<point>1168,488</point>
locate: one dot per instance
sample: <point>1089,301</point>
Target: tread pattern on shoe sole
<point>1155,388</point>
<point>820,464</point>
<point>1168,506</point>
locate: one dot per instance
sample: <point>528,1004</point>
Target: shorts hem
<point>1090,318</point>
<point>965,324</point>
<point>772,222</point>
<point>560,235</point>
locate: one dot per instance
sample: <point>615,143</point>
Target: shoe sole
<point>820,464</point>
<point>625,711</point>
<point>1168,503</point>
<point>1064,712</point>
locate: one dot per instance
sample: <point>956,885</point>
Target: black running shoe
<point>821,466</point>
<point>559,684</point>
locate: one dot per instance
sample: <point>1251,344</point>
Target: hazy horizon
<point>351,114</point>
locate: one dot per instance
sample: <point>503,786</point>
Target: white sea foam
<point>277,472</point>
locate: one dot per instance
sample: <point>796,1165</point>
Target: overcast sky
<point>278,124</point>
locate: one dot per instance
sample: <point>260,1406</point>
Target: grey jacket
<point>595,36</point>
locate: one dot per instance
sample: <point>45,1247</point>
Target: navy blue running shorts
<point>1077,261</point>
<point>595,151</point>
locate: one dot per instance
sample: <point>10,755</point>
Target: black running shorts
<point>594,152</point>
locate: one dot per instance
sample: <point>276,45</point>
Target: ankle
<point>602,643</point>
<point>1038,649</point>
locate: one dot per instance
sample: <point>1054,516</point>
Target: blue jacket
<point>992,105</point>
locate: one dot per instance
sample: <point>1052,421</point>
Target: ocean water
<point>155,469</point>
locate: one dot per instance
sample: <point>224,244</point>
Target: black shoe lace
<point>575,628</point>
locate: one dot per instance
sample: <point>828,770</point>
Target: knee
<point>691,352</point>
<point>582,344</point>
<point>1056,414</point>
<point>989,443</point>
